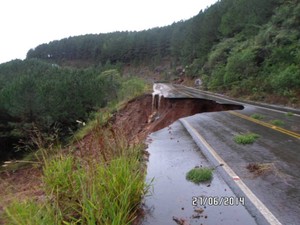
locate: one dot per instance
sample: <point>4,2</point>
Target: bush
<point>286,79</point>
<point>240,65</point>
<point>217,78</point>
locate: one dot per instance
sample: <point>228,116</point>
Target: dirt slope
<point>136,120</point>
<point>141,116</point>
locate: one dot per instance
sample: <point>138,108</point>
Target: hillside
<point>242,48</point>
<point>41,103</point>
<point>248,49</point>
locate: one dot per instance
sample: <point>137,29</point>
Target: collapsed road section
<point>146,114</point>
<point>274,153</point>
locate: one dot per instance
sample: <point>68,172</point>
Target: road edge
<point>255,207</point>
<point>272,107</point>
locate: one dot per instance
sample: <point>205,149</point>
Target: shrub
<point>217,78</point>
<point>287,79</point>
<point>240,65</point>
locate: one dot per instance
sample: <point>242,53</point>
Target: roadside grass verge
<point>245,139</point>
<point>198,175</point>
<point>105,188</point>
<point>98,181</point>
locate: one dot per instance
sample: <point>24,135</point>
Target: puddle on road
<point>172,154</point>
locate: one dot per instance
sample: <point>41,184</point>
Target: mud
<point>141,116</point>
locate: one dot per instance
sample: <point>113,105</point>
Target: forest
<point>232,45</point>
<point>49,102</point>
<point>244,48</point>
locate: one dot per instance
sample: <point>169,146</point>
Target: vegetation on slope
<point>98,179</point>
<point>37,96</point>
<point>99,182</point>
<point>261,65</point>
<point>244,48</point>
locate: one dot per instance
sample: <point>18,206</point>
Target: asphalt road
<point>172,153</point>
<point>277,187</point>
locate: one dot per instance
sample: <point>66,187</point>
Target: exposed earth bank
<point>146,114</point>
<point>138,118</point>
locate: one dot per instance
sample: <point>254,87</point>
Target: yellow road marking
<point>216,159</point>
<point>279,129</point>
<point>282,130</point>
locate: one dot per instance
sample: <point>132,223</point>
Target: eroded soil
<point>136,120</point>
<point>141,116</point>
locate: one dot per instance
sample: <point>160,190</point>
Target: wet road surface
<point>172,154</point>
<point>278,147</point>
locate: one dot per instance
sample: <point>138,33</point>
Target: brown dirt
<point>136,120</point>
<point>20,184</point>
<point>259,169</point>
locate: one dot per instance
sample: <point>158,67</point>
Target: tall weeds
<point>101,184</point>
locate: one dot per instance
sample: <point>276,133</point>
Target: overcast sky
<point>28,23</point>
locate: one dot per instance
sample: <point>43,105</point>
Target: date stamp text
<point>217,201</point>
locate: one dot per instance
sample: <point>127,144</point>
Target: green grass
<point>100,186</point>
<point>85,192</point>
<point>103,183</point>
<point>278,123</point>
<point>244,139</point>
<point>257,116</point>
<point>198,175</point>
<point>289,114</point>
<point>130,88</point>
<point>99,119</point>
<point>29,212</point>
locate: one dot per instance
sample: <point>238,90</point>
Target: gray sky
<point>28,23</point>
